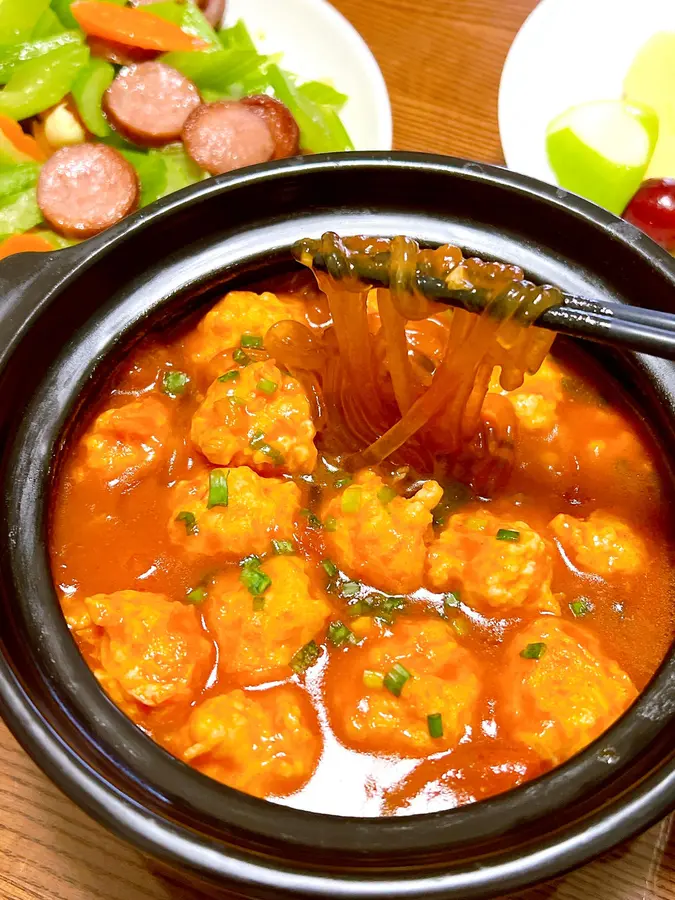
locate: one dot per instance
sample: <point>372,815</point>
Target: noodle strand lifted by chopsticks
<point>381,403</point>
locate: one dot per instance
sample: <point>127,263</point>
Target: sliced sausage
<point>119,54</point>
<point>279,119</point>
<point>85,188</point>
<point>225,135</point>
<point>150,102</point>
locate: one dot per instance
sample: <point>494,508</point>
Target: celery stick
<point>236,37</point>
<point>320,127</point>
<point>19,212</point>
<point>323,94</point>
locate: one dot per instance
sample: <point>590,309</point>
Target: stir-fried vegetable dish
<point>358,553</point>
<point>106,106</point>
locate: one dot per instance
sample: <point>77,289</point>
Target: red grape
<point>653,210</point>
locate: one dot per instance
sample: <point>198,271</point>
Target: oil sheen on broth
<point>360,553</point>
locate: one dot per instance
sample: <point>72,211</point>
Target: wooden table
<point>442,63</point>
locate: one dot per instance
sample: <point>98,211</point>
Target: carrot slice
<point>24,243</point>
<point>22,141</point>
<point>133,27</point>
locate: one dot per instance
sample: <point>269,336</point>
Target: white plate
<point>319,44</point>
<point>568,52</point>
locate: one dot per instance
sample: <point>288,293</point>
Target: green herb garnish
<point>258,443</point>
<point>283,548</point>
<point>253,579</point>
<point>508,534</point>
<point>329,567</point>
<point>338,633</point>
<point>196,595</point>
<point>342,479</point>
<point>240,357</point>
<point>267,386</point>
<point>435,725</point>
<point>534,651</point>
<point>190,521</point>
<point>174,383</point>
<point>305,657</point>
<point>313,521</point>
<point>349,589</point>
<point>395,678</point>
<point>218,490</point>
<point>251,341</point>
<point>229,376</point>
<point>379,606</point>
<point>451,599</point>
<point>580,607</point>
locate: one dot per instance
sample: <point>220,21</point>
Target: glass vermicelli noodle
<point>338,545</point>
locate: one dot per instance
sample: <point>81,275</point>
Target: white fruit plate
<point>569,52</point>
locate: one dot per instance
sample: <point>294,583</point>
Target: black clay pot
<point>65,316</point>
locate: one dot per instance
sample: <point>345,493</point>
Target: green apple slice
<point>650,81</point>
<point>601,150</point>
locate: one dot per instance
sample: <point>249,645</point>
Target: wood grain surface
<point>442,62</point>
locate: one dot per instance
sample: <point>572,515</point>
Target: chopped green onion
<point>190,522</point>
<point>329,567</point>
<point>534,651</point>
<point>196,595</point>
<point>254,580</point>
<point>580,607</point>
<point>240,357</point>
<point>342,479</point>
<point>174,383</point>
<point>360,608</point>
<point>461,626</point>
<point>435,725</point>
<point>338,633</point>
<point>259,444</point>
<point>251,341</point>
<point>330,523</point>
<point>258,603</point>
<point>283,548</point>
<point>350,589</point>
<point>451,599</point>
<point>251,560</point>
<point>218,490</point>
<point>388,605</point>
<point>377,605</point>
<point>313,521</point>
<point>508,534</point>
<point>267,386</point>
<point>229,376</point>
<point>305,657</point>
<point>386,494</point>
<point>395,678</point>
<point>372,680</point>
<point>351,500</point>
<point>257,440</point>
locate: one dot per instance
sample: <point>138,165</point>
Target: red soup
<point>350,636</point>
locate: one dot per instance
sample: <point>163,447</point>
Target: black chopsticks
<point>626,327</point>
